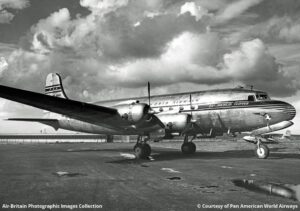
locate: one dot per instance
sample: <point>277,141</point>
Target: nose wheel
<point>262,151</point>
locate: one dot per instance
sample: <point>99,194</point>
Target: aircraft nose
<point>290,110</point>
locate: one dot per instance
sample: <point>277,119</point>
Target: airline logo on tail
<point>54,86</point>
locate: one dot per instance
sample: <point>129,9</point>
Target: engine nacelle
<point>175,122</point>
<point>133,112</point>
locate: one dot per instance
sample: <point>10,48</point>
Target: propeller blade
<point>149,92</point>
<point>191,103</point>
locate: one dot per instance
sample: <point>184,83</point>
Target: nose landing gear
<point>261,151</point>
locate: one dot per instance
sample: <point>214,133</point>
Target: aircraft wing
<point>86,112</point>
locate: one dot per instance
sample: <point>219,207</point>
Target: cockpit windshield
<point>262,96</point>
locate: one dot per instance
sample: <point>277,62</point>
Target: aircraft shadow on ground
<point>163,155</point>
<point>127,150</point>
<point>160,154</point>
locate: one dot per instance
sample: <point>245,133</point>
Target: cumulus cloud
<point>201,58</point>
<point>197,11</point>
<point>107,34</point>
<point>104,6</point>
<point>280,28</point>
<point>14,4</point>
<point>186,58</point>
<point>6,16</point>
<point>276,29</point>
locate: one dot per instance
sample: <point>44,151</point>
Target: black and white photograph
<point>137,105</point>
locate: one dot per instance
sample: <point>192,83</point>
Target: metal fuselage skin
<point>214,112</point>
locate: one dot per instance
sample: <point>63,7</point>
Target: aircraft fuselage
<point>213,112</point>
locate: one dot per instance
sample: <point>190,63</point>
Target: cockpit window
<point>262,97</point>
<point>251,98</point>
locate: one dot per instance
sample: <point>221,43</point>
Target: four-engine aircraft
<point>192,114</point>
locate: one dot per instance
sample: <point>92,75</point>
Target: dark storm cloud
<point>35,10</point>
<point>127,43</point>
<point>270,8</point>
<point>119,39</point>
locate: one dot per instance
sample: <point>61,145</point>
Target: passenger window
<point>251,98</point>
<point>181,108</point>
<point>171,108</point>
<point>161,109</point>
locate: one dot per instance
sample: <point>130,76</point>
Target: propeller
<point>191,103</point>
<point>151,111</point>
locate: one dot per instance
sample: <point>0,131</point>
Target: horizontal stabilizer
<point>32,119</point>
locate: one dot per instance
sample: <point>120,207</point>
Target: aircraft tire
<point>262,152</point>
<point>188,148</point>
<point>142,151</point>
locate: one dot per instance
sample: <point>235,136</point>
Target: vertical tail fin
<point>54,86</point>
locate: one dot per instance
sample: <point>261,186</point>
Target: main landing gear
<point>188,147</point>
<point>141,148</point>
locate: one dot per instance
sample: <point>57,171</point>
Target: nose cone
<point>290,111</point>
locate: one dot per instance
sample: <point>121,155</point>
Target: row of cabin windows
<point>181,108</point>
<point>250,98</point>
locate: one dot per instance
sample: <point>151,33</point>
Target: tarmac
<point>106,176</point>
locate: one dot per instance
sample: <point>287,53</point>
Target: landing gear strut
<point>261,150</point>
<point>141,148</point>
<point>188,147</point>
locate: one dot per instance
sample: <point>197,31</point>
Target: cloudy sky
<point>106,49</point>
